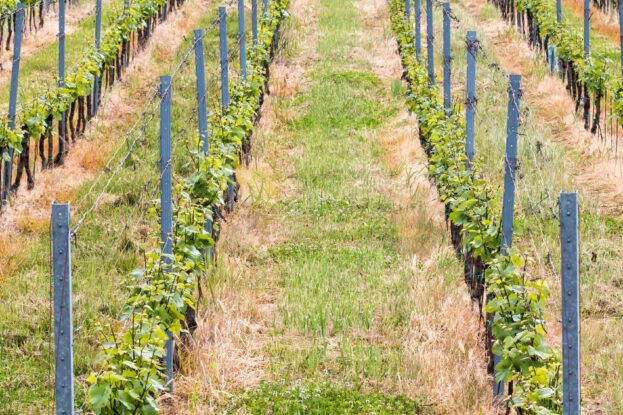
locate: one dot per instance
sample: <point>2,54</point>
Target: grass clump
<point>321,399</point>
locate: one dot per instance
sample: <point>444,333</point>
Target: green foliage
<point>320,399</point>
<point>79,83</point>
<point>597,72</point>
<point>515,299</point>
<point>7,7</point>
<point>129,376</point>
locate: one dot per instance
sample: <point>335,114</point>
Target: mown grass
<point>320,399</point>
<point>109,245</point>
<point>546,168</point>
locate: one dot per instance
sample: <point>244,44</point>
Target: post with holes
<point>430,37</point>
<point>63,324</point>
<point>570,265</point>
<point>242,39</point>
<point>408,10</point>
<point>17,51</point>
<point>166,209</point>
<point>508,202</point>
<point>265,7</point>
<point>418,29</point>
<point>254,23</point>
<point>98,41</point>
<point>61,77</point>
<point>471,96</point>
<point>447,59</point>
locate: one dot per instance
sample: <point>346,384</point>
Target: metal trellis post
<point>418,29</point>
<point>621,33</point>
<point>17,51</point>
<point>126,43</point>
<point>61,43</point>
<point>63,324</point>
<point>471,96</point>
<point>61,75</point>
<point>447,59</point>
<point>408,10</point>
<point>430,37</point>
<point>202,110</point>
<point>242,39</point>
<point>510,165</point>
<point>201,102</point>
<point>98,41</point>
<point>225,92</point>
<point>254,22</point>
<point>570,265</point>
<point>166,208</point>
<point>224,59</point>
<point>558,11</point>
<point>587,37</point>
<point>508,202</point>
<point>265,7</point>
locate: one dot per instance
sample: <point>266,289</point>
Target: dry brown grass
<point>444,342</point>
<point>9,250</point>
<point>601,173</point>
<point>601,23</point>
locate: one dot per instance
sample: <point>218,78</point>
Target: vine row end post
<point>570,265</point>
<point>63,319</point>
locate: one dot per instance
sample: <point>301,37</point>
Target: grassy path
<point>335,274</point>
